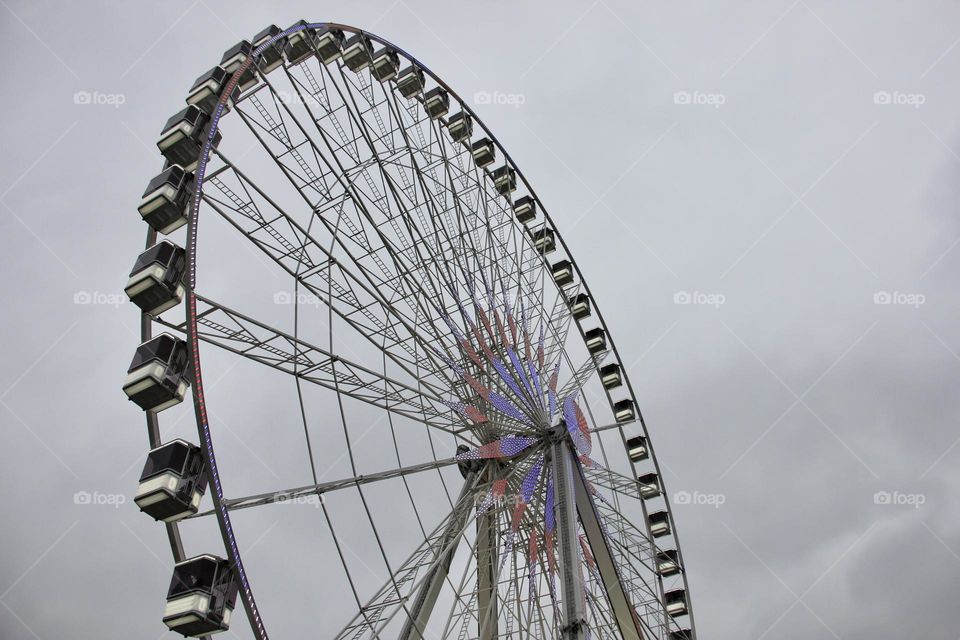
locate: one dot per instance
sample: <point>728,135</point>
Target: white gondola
<point>649,485</point>
<point>525,209</point>
<point>610,376</point>
<point>544,240</point>
<point>234,57</point>
<point>166,199</point>
<point>172,483</point>
<point>300,44</point>
<point>410,81</point>
<point>637,449</point>
<point>182,138</point>
<point>505,179</point>
<point>562,273</point>
<point>270,58</point>
<point>676,602</point>
<point>201,597</point>
<point>329,44</point>
<point>207,89</point>
<point>484,152</point>
<point>596,340</point>
<point>668,562</point>
<point>579,306</point>
<point>157,377</point>
<point>357,52</point>
<point>460,126</point>
<point>436,102</point>
<point>659,522</point>
<point>624,411</point>
<point>156,280</point>
<point>386,62</point>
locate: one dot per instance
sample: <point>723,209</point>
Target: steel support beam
<point>488,613</point>
<point>572,594</point>
<point>422,605</point>
<point>622,609</point>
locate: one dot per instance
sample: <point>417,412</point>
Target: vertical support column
<point>422,606</point>
<point>572,595</point>
<point>488,613</point>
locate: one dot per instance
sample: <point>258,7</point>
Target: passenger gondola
<point>166,200</point>
<point>410,81</point>
<point>505,179</point>
<point>233,58</point>
<point>625,411</point>
<point>460,126</point>
<point>156,280</point>
<point>525,209</point>
<point>157,377</point>
<point>386,62</point>
<point>201,597</point>
<point>272,57</point>
<point>610,376</point>
<point>173,481</point>
<point>484,153</point>
<point>436,102</point>
<point>648,485</point>
<point>183,136</point>
<point>596,340</point>
<point>659,522</point>
<point>357,52</point>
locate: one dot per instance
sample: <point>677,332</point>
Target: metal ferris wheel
<point>428,285</point>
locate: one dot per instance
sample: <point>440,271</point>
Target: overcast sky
<point>789,168</point>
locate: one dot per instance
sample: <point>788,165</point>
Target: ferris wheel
<point>427,284</point>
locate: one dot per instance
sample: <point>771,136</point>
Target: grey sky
<point>797,161</point>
